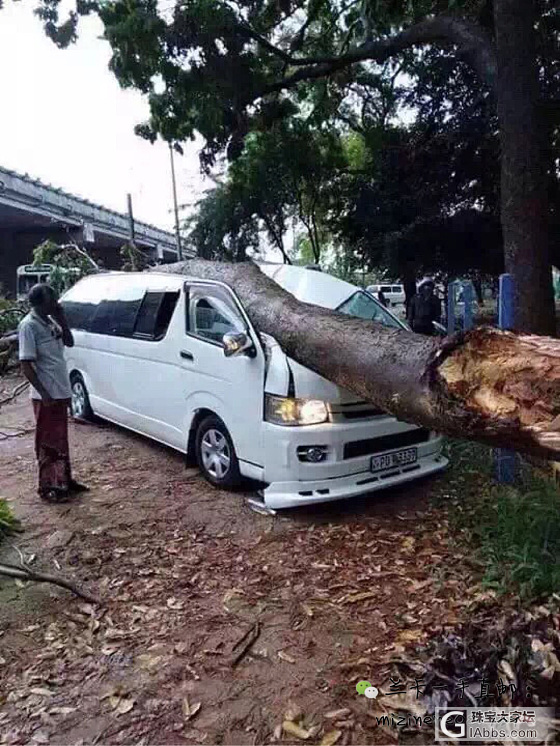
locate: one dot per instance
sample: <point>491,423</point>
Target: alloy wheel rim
<point>216,456</point>
<point>78,399</point>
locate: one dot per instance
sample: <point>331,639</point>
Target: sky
<point>66,121</point>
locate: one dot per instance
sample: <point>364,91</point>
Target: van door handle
<point>187,355</point>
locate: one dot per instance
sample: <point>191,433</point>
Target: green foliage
<point>519,535</point>
<point>8,522</point>
<point>283,174</point>
<point>215,67</point>
<point>514,530</point>
<point>222,228</point>
<point>11,313</point>
<point>210,66</point>
<point>133,258</point>
<point>70,263</point>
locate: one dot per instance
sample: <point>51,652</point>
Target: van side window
<point>385,288</point>
<point>155,314</point>
<point>212,319</point>
<point>398,289</point>
<point>79,315</point>
<point>124,316</point>
<point>101,322</point>
<point>116,317</point>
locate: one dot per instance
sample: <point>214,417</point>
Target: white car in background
<point>394,294</point>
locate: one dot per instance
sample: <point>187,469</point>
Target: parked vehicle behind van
<point>394,294</point>
<point>178,360</point>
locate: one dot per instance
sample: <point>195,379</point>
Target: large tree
<point>223,67</point>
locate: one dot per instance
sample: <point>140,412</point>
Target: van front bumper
<point>292,482</point>
<point>280,495</point>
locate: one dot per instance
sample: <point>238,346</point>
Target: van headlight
<point>283,410</point>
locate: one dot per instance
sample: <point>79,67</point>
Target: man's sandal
<point>54,495</point>
<point>76,487</point>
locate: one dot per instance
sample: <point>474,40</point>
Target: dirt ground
<point>183,572</point>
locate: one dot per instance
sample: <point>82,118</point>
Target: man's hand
<point>30,373</point>
<point>58,311</point>
<point>60,317</point>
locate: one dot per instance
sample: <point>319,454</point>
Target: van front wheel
<point>215,454</point>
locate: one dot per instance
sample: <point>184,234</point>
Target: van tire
<point>215,454</point>
<point>80,404</point>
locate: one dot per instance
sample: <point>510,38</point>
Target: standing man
<point>382,298</point>
<point>43,333</point>
<point>425,308</point>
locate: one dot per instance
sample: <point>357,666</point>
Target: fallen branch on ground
<point>246,641</point>
<point>496,387</point>
<point>18,434</point>
<point>23,572</point>
<point>20,388</point>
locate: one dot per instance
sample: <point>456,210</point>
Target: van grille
<point>359,410</point>
<point>385,443</point>
<point>362,414</point>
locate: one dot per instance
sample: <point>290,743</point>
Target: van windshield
<point>363,306</point>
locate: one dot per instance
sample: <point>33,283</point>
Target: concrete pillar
<point>8,264</point>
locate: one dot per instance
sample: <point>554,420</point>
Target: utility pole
<point>130,219</point>
<point>177,231</point>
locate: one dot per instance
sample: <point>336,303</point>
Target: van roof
<point>306,285</point>
<point>153,280</point>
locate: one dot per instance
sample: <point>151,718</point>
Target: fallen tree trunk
<point>496,387</point>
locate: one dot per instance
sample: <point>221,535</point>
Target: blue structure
<point>505,461</point>
<point>468,300</point>
<point>453,314</point>
<point>451,307</point>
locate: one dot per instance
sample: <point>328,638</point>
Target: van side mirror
<point>238,343</point>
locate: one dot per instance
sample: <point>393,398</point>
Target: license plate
<point>390,460</point>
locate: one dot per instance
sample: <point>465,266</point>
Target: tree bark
<point>525,209</point>
<point>496,387</point>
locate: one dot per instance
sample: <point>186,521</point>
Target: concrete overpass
<point>31,212</point>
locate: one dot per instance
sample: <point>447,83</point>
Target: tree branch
<point>474,43</point>
<point>278,240</point>
<point>252,34</point>
<point>25,573</point>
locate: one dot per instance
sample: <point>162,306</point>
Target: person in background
<point>425,308</point>
<point>43,333</point>
<point>382,298</point>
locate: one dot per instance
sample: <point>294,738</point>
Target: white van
<point>394,294</point>
<point>177,359</point>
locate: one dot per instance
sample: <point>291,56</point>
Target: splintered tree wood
<point>496,387</point>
